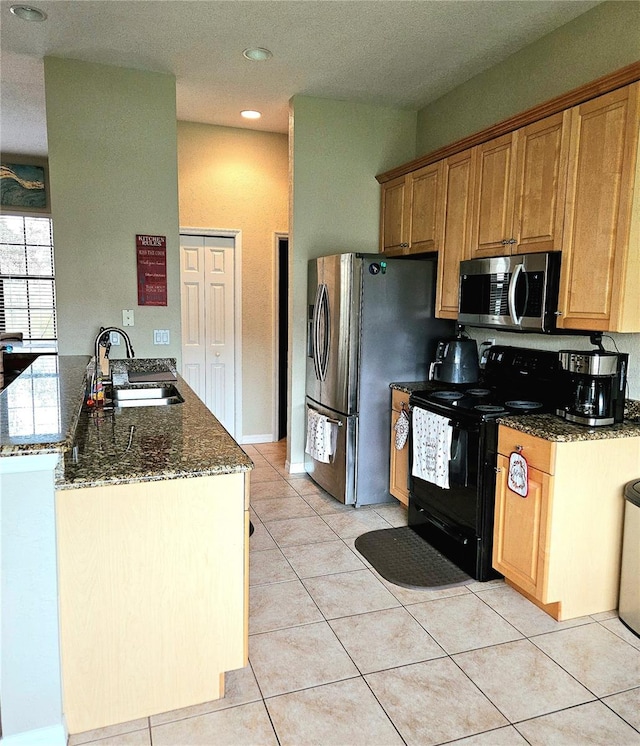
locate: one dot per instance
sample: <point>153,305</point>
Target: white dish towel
<point>322,436</point>
<point>432,435</point>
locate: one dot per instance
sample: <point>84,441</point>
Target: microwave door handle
<point>511,298</point>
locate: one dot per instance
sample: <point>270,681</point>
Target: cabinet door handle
<point>504,242</point>
<point>557,313</point>
<point>519,449</point>
<point>512,240</point>
<point>497,469</point>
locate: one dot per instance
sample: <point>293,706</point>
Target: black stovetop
<point>515,380</point>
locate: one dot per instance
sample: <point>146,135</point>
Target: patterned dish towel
<point>432,436</point>
<point>322,436</point>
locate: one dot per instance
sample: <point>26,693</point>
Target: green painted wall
<point>604,39</point>
<point>336,149</point>
<point>113,174</point>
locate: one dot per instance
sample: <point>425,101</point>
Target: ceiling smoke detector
<point>257,54</point>
<point>28,12</point>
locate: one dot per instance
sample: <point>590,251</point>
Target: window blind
<point>27,277</point>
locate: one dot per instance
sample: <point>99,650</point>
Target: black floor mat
<point>404,558</point>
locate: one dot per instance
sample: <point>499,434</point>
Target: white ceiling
<point>398,53</point>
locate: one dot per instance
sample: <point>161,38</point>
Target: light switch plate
<point>127,317</point>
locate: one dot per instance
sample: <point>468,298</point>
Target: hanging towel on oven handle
<point>432,436</point>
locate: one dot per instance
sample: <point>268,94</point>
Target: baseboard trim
<point>251,439</point>
<point>294,468</point>
<point>53,736</point>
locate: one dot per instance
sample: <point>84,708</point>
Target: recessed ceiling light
<point>28,12</point>
<point>250,114</point>
<point>257,54</point>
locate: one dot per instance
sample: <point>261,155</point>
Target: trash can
<point>629,604</point>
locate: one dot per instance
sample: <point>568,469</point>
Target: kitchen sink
<point>148,396</point>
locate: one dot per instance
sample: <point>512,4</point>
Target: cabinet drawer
<point>398,398</point>
<point>539,453</point>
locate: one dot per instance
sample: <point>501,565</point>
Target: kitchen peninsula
<point>144,511</point>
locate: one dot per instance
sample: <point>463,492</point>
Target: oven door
<point>459,521</point>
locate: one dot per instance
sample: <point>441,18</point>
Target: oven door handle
<point>457,536</point>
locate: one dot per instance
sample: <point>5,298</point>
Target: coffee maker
<point>594,386</point>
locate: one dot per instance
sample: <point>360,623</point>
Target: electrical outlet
<point>127,317</point>
<point>114,338</point>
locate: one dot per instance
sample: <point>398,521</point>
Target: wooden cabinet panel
<point>399,460</point>
<point>599,266</point>
<point>425,224</point>
<point>494,198</point>
<point>411,221</point>
<point>146,568</point>
<point>394,228</point>
<point>458,179</point>
<point>541,152</point>
<point>540,453</point>
<point>521,537</point>
<point>561,544</point>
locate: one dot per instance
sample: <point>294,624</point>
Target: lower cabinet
<point>399,464</point>
<point>153,591</point>
<point>560,545</point>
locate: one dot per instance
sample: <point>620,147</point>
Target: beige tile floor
<point>339,656</point>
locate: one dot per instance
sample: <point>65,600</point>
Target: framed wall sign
<point>151,258</point>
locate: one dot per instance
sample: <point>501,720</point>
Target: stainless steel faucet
<point>108,330</point>
<point>97,373</point>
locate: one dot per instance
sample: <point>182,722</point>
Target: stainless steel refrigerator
<point>370,323</point>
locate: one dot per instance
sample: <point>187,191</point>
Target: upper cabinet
<point>394,217</point>
<point>520,190</point>
<point>493,210</point>
<point>456,207</point>
<point>410,219</point>
<point>541,151</point>
<point>564,176</point>
<point>600,271</point>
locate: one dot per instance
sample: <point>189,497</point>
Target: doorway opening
<point>282,333</point>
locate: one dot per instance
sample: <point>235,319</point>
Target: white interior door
<point>208,334</point>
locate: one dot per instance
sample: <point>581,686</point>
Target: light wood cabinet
<point>520,190</point>
<point>541,152</point>
<point>394,217</point>
<point>153,588</point>
<point>494,198</point>
<point>399,463</point>
<point>411,220</point>
<point>458,174</point>
<point>600,273</point>
<point>567,182</point>
<point>560,545</point>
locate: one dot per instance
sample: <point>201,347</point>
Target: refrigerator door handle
<point>322,331</point>
<point>316,333</point>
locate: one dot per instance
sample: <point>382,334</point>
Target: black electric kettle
<point>456,361</point>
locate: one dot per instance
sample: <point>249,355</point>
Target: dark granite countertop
<point>42,411</point>
<point>409,386</point>
<point>551,427</point>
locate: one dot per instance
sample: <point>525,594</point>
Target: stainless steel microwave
<point>517,293</point>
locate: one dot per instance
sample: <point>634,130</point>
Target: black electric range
<point>458,519</point>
